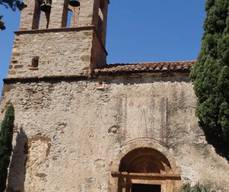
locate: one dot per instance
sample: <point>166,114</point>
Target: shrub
<point>6,136</point>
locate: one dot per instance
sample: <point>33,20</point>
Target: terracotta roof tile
<point>177,66</point>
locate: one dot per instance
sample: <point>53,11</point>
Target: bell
<point>46,5</point>
<point>74,3</point>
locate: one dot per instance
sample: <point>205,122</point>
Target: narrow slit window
<point>35,62</point>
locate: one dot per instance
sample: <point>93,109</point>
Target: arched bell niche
<point>146,170</point>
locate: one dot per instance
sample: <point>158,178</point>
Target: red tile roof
<point>177,66</point>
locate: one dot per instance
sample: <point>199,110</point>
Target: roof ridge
<point>167,66</point>
<point>153,62</point>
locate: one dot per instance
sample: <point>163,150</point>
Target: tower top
<point>82,13</point>
<point>60,38</point>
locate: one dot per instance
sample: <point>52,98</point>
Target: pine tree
<point>210,76</point>
<point>6,136</point>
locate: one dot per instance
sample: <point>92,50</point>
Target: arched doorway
<point>145,170</point>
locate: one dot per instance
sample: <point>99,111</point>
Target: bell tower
<point>60,38</point>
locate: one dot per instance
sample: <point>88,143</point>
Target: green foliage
<point>13,5</point>
<point>196,188</point>
<point>6,136</point>
<point>210,76</point>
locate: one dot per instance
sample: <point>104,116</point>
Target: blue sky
<point>138,31</point>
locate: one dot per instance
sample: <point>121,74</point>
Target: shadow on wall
<point>17,169</point>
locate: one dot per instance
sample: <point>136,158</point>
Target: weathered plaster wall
<point>77,132</point>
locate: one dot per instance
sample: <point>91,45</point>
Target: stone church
<point>85,126</point>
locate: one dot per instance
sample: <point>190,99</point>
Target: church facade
<point>85,126</point>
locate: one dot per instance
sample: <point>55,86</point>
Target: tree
<point>13,5</point>
<point>6,136</point>
<point>210,77</point>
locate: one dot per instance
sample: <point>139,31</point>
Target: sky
<point>138,31</point>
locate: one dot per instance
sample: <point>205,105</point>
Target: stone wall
<point>61,50</point>
<point>99,53</point>
<point>60,53</point>
<point>77,132</point>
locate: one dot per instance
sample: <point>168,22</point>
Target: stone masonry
<point>77,118</point>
